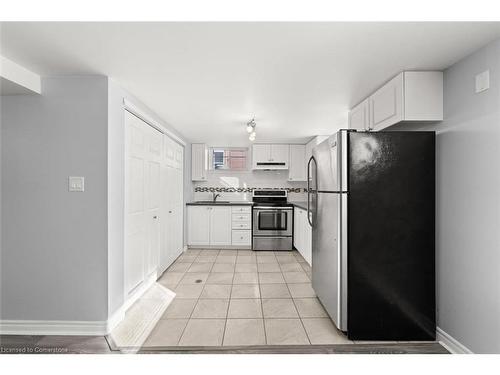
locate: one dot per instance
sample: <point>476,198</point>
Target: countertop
<point>299,204</point>
<point>207,203</point>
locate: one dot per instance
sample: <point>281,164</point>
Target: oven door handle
<point>267,236</point>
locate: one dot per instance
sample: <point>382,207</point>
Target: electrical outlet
<point>483,81</point>
<point>76,184</point>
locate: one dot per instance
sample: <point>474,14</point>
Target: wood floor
<point>17,344</point>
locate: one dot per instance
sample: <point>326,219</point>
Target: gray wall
<point>54,244</point>
<point>62,257</point>
<point>468,204</point>
<point>116,178</point>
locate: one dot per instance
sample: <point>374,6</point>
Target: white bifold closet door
<point>172,207</point>
<point>144,156</point>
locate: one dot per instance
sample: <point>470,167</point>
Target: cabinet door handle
<point>155,217</point>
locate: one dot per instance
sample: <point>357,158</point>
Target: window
<point>234,159</point>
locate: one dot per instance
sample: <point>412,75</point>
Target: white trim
<point>225,247</point>
<point>132,108</point>
<point>21,76</point>
<point>139,291</point>
<point>77,328</point>
<point>53,327</point>
<point>115,319</point>
<point>451,344</point>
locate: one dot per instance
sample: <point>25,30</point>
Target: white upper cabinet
<point>387,104</point>
<point>410,96</point>
<point>260,153</point>
<point>358,116</point>
<point>297,170</point>
<point>266,156</point>
<point>280,153</point>
<point>423,96</point>
<point>199,162</point>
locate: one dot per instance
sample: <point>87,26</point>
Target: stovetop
<point>270,198</point>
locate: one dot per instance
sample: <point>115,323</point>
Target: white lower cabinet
<point>242,226</point>
<point>198,225</point>
<point>219,226</point>
<point>302,234</point>
<point>209,226</point>
<point>241,238</point>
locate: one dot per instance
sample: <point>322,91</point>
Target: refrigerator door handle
<point>309,190</point>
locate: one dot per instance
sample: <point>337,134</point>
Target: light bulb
<point>252,136</point>
<point>249,128</point>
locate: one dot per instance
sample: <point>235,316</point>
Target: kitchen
<point>318,203</point>
<point>230,212</point>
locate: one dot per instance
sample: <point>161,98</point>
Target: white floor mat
<point>141,318</point>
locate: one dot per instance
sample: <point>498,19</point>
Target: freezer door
<point>329,263</point>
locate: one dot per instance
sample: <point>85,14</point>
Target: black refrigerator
<point>371,205</point>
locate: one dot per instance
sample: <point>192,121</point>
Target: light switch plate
<point>483,81</point>
<point>76,184</point>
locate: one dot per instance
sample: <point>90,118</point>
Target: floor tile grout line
<point>262,309</point>
<point>188,319</point>
<point>298,313</point>
<point>190,315</point>
<point>227,310</point>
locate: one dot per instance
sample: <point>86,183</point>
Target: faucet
<point>215,196</point>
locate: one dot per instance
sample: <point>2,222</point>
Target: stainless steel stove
<point>272,220</point>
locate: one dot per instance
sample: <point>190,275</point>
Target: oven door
<point>272,221</point>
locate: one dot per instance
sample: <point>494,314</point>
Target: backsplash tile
<point>222,189</point>
<point>239,185</point>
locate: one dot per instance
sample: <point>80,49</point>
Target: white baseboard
<point>451,344</point>
<point>73,328</point>
<point>61,327</point>
<point>53,327</point>
<point>229,247</point>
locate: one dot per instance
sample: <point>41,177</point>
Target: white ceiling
<point>208,79</point>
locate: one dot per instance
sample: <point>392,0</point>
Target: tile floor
<point>242,297</point>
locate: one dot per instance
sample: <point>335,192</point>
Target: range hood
<point>270,165</point>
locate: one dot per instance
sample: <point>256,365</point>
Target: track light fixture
<point>251,125</point>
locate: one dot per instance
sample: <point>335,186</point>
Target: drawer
<point>242,209</point>
<point>241,217</point>
<point>242,237</point>
<point>242,225</point>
